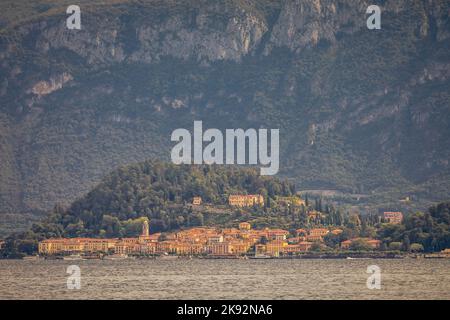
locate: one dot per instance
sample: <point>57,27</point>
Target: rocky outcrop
<point>215,30</point>
<point>304,23</point>
<point>44,87</point>
<point>212,32</point>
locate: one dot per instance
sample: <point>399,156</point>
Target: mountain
<point>360,111</point>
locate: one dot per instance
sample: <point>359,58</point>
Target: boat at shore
<point>167,257</point>
<point>92,257</point>
<point>118,257</point>
<point>31,258</point>
<point>261,256</point>
<point>436,256</point>
<point>73,257</point>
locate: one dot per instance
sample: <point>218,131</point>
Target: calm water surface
<point>225,279</point>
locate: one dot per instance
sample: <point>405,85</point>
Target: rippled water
<point>226,279</point>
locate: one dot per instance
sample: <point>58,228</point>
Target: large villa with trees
<point>246,200</point>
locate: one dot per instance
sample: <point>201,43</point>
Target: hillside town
<point>195,242</point>
<point>240,241</point>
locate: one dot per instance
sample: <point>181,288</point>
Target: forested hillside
<point>360,111</point>
<point>164,192</point>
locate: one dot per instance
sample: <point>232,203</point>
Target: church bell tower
<point>145,229</point>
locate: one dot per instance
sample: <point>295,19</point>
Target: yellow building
<point>231,233</point>
<point>146,248</point>
<point>246,200</point>
<point>244,226</point>
<point>185,248</point>
<point>98,245</point>
<point>222,248</point>
<point>196,201</point>
<point>275,247</point>
<point>216,238</point>
<point>50,246</point>
<point>277,234</point>
<point>318,232</point>
<point>393,217</point>
<point>298,247</point>
<point>240,247</point>
<point>124,248</point>
<point>260,249</point>
<point>55,246</point>
<point>166,247</point>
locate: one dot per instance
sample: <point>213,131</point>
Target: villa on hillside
<point>196,201</point>
<point>244,226</point>
<point>246,200</point>
<point>314,214</point>
<point>337,231</point>
<point>393,217</point>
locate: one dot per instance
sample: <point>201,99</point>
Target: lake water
<point>226,279</point>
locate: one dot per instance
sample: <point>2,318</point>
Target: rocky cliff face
<point>356,106</point>
<point>210,31</point>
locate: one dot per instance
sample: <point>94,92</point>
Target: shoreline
<point>316,256</point>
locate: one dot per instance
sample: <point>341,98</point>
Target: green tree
<point>395,246</point>
<point>406,244</point>
<point>316,246</point>
<point>360,245</point>
<point>417,247</point>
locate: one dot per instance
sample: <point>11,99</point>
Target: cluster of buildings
<point>212,241</point>
<point>195,241</point>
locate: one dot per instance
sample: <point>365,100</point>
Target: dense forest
<point>163,192</point>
